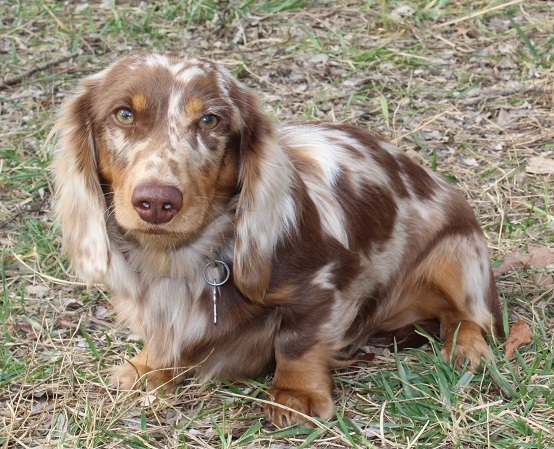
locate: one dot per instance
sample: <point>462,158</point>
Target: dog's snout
<point>157,204</point>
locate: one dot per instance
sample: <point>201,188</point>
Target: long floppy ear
<point>79,200</point>
<point>265,207</point>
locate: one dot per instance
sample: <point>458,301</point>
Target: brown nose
<point>157,204</point>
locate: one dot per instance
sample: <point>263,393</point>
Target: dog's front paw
<point>127,376</point>
<point>468,346</point>
<point>302,403</point>
<point>138,373</point>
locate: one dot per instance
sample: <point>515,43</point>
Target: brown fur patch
<point>422,184</point>
<point>371,213</point>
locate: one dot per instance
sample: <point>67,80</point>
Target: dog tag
<point>215,303</point>
<point>215,283</point>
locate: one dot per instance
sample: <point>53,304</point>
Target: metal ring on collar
<point>215,263</point>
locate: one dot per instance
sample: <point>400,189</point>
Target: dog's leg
<point>455,286</point>
<point>138,372</point>
<point>303,384</point>
<point>460,331</point>
<point>464,299</point>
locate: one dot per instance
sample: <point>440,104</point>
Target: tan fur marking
<point>469,345</point>
<point>446,275</point>
<point>440,295</point>
<point>195,106</point>
<point>303,384</point>
<point>138,370</point>
<point>433,292</point>
<point>138,102</point>
<point>111,173</point>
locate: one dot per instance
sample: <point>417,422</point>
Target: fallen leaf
<point>38,291</point>
<point>504,118</point>
<point>541,256</point>
<point>149,399</point>
<point>401,13</point>
<point>63,323</point>
<point>536,256</point>
<point>543,279</point>
<point>471,161</point>
<point>72,304</point>
<point>133,337</point>
<point>30,326</point>
<point>319,59</point>
<point>25,326</point>
<point>540,165</point>
<point>519,335</point>
<point>365,357</point>
<point>102,312</point>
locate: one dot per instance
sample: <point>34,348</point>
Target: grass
<point>434,79</point>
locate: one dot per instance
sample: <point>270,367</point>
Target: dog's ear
<point>264,207</point>
<point>79,202</point>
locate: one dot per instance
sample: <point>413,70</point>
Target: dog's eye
<point>125,116</point>
<point>208,122</point>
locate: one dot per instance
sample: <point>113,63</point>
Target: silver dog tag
<point>215,283</point>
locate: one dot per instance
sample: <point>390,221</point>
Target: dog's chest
<point>180,316</point>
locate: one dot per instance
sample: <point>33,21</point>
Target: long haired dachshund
<point>236,247</point>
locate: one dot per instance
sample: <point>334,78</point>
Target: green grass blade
<point>525,39</point>
<point>250,433</point>
<point>90,343</point>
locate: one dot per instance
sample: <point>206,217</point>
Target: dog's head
<point>166,145</point>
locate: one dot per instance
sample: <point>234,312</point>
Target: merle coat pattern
<point>331,233</point>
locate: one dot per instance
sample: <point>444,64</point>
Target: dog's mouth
<point>155,231</point>
<point>155,237</point>
<point>163,236</point>
<point>146,232</point>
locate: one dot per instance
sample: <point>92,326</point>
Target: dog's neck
<point>151,259</point>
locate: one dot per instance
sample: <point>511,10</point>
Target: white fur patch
<point>270,212</point>
<point>186,75</point>
<point>476,279</point>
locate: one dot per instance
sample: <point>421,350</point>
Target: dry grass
<point>465,86</point>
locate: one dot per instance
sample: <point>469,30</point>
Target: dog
<point>235,247</point>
